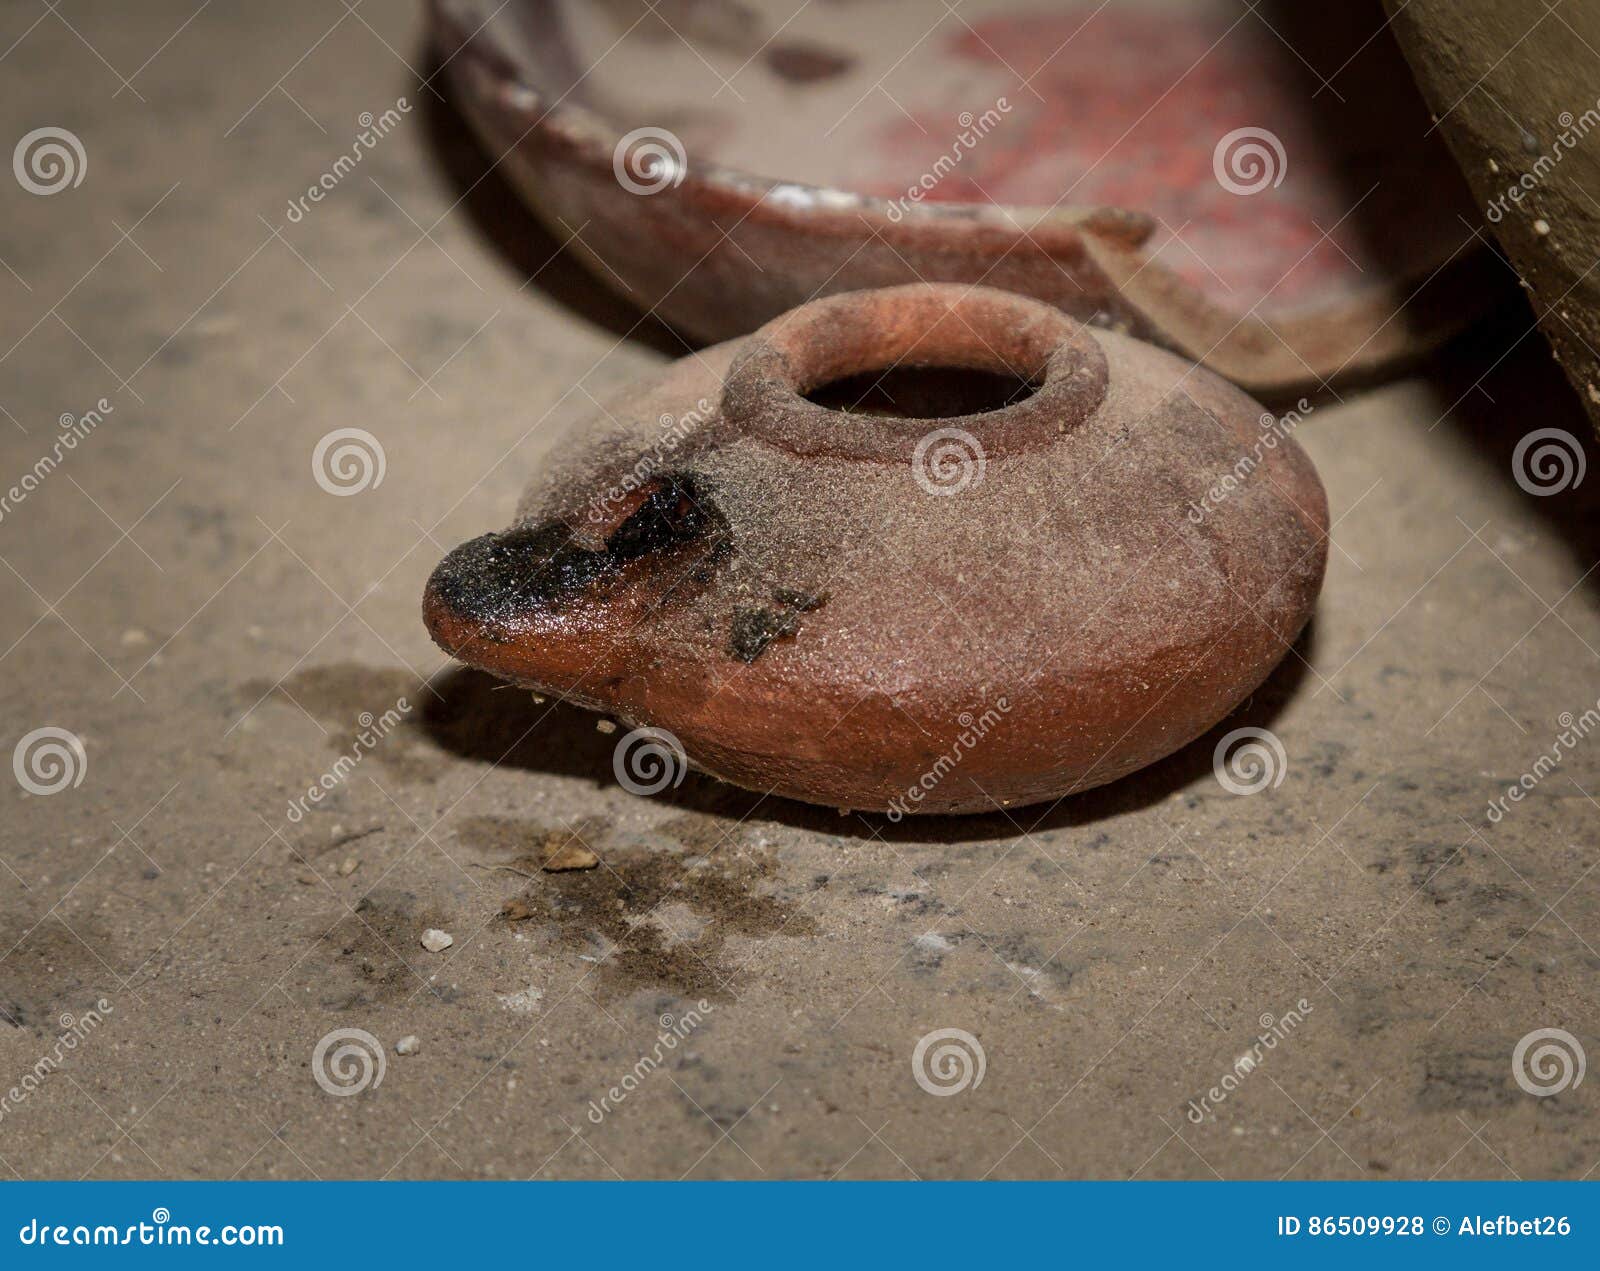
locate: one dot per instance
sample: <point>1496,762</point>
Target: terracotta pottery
<point>1089,555</point>
<point>1256,187</point>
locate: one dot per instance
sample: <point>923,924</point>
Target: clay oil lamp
<point>927,549</point>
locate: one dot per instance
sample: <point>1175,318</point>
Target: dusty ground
<point>182,596</point>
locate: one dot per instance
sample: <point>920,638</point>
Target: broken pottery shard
<point>924,549</point>
<point>1162,167</point>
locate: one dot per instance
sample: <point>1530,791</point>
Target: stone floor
<point>183,597</point>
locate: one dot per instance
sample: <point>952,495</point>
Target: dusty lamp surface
<point>1066,555</point>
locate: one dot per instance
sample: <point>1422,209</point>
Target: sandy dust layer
<point>753,978</point>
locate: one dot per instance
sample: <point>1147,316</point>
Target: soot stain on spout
<point>497,577</point>
<point>755,628</point>
<point>676,510</point>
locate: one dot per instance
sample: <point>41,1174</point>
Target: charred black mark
<point>799,601</point>
<point>721,549</point>
<point>495,577</point>
<point>676,510</point>
<point>755,628</point>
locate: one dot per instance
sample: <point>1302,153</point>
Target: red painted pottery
<point>924,549</point>
<point>1262,192</point>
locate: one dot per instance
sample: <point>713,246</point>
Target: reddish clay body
<point>1265,198</point>
<point>918,614</point>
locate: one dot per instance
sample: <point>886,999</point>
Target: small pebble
<point>523,1001</point>
<point>348,866</point>
<point>407,1045</point>
<point>436,941</point>
<point>605,726</point>
<point>134,638</point>
<point>306,877</point>
<point>572,856</point>
<point>1541,227</point>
